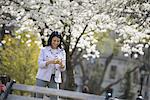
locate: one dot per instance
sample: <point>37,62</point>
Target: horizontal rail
<point>62,93</point>
<point>16,97</point>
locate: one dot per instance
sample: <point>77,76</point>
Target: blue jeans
<point>51,84</point>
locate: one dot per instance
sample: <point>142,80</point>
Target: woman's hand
<point>56,61</point>
<point>50,62</point>
<point>59,61</point>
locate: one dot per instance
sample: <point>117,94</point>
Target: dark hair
<point>4,79</point>
<point>53,34</point>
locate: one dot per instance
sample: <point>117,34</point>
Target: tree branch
<point>78,40</point>
<point>116,82</point>
<point>144,19</point>
<point>107,62</point>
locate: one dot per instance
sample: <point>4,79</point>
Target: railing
<point>50,91</point>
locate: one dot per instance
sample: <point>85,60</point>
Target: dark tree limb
<point>116,82</point>
<point>107,62</point>
<point>78,40</point>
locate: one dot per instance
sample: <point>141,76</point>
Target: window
<point>112,73</point>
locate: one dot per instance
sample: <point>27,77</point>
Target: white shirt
<point>45,72</point>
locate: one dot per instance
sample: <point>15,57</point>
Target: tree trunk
<point>69,84</point>
<point>70,77</point>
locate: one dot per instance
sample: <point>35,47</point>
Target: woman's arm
<point>63,61</point>
<point>43,63</point>
<point>41,60</point>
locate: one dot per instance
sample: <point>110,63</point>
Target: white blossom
<point>28,41</point>
<point>27,35</point>
<point>126,54</point>
<point>29,45</point>
<point>71,17</point>
<point>18,37</point>
<point>9,39</point>
<point>135,55</point>
<point>146,46</point>
<point>3,41</point>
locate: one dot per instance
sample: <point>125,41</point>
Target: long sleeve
<point>64,60</point>
<point>41,60</point>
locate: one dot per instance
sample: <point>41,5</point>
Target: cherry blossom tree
<point>134,26</point>
<point>74,18</point>
<point>79,20</point>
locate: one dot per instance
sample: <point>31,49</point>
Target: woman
<point>52,60</point>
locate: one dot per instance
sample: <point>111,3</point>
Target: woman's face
<point>55,42</point>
